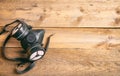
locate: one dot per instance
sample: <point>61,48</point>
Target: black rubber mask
<point>31,42</point>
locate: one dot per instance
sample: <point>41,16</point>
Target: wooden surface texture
<point>86,40</point>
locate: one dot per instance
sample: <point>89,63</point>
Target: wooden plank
<point>77,38</point>
<point>68,62</point>
<point>90,48</point>
<point>62,13</point>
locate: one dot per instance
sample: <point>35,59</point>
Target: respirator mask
<point>31,42</point>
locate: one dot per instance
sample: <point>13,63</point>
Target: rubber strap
<point>22,60</point>
<point>32,64</point>
<point>4,28</point>
<point>48,41</point>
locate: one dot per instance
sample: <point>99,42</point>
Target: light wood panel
<point>86,40</point>
<point>62,13</point>
<point>77,38</point>
<point>69,62</point>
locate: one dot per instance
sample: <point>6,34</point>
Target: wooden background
<point>86,40</point>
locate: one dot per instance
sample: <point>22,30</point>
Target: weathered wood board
<point>86,40</point>
<point>69,62</point>
<point>77,38</point>
<point>62,13</point>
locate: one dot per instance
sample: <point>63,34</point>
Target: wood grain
<point>77,38</point>
<point>86,40</point>
<point>62,13</point>
<point>68,62</point>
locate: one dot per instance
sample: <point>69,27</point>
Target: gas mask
<point>31,42</point>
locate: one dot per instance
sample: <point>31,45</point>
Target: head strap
<point>21,60</point>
